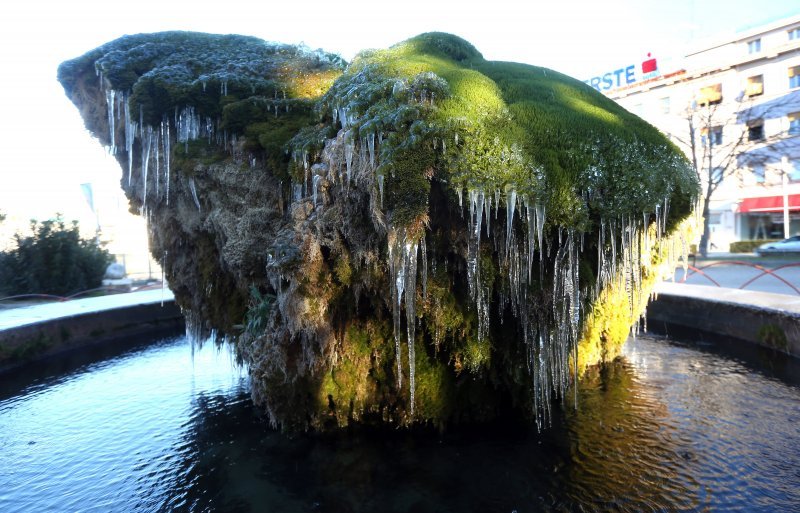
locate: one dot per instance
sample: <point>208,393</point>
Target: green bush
<point>53,259</point>
<point>748,246</point>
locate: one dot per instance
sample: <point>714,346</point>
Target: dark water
<point>667,428</point>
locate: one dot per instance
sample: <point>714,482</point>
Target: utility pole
<point>785,190</point>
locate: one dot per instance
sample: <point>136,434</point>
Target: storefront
<point>762,217</point>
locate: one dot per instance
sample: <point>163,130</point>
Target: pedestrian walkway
<point>755,299</point>
<point>18,317</point>
<point>779,276</point>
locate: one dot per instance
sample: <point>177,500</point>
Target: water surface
<point>160,427</point>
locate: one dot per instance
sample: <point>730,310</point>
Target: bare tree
<point>721,138</point>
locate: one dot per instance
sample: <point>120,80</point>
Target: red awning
<point>769,204</point>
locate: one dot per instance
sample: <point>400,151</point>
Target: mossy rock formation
<point>419,236</point>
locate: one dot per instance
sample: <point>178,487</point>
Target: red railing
<point>764,272</point>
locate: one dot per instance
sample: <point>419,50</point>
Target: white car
<point>790,245</point>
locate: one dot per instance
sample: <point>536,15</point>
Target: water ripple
<point>162,428</point>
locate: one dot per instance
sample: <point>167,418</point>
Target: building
<point>734,107</point>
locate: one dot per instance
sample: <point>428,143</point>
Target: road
<point>736,271</point>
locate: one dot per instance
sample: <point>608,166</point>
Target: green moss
<point>445,111</point>
<point>773,336</point>
<point>435,395</point>
<point>30,349</point>
<point>343,271</point>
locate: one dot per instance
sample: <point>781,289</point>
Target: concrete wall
<point>48,337</point>
<point>713,313</point>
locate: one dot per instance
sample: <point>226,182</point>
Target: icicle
<point>487,206</point>
<point>167,154</point>
<point>474,243</point>
<point>163,276</point>
<point>380,187</point>
<point>147,140</point>
<point>424,250</point>
<point>530,214</point>
<point>315,186</point>
<point>397,283</point>
<point>112,149</point>
<point>540,228</point>
<point>194,193</point>
<point>349,147</point>
<point>371,145</point>
<point>306,171</point>
<point>130,135</point>
<point>511,204</point>
<point>157,151</point>
<point>411,319</point>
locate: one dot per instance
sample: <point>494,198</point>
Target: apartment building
<point>734,107</point>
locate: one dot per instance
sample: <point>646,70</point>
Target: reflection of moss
<point>773,336</point>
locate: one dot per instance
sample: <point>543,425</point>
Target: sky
<point>45,153</point>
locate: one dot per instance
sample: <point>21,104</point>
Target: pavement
<point>748,298</point>
<point>735,271</point>
<point>27,315</point>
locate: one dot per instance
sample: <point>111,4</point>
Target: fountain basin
<point>40,331</point>
<point>713,313</point>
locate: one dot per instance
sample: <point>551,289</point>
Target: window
<point>710,95</point>
<point>755,86</point>
<point>758,173</point>
<point>794,172</point>
<point>755,130</point>
<point>716,135</point>
<point>794,77</point>
<point>712,136</point>
<point>794,123</point>
<point>664,105</point>
<point>717,175</point>
<point>754,46</point>
<point>794,34</point>
<point>715,218</point>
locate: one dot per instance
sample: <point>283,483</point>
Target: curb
<point>714,314</point>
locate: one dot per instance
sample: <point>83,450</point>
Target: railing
<point>764,272</point>
<point>105,289</point>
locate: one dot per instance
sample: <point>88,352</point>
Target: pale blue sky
<point>46,153</point>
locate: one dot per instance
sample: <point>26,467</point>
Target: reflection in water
<point>626,451</point>
<point>667,427</point>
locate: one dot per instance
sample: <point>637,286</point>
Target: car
<point>790,245</point>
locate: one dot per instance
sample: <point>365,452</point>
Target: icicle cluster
<point>155,143</point>
<point>551,337</point>
<point>403,257</point>
<point>346,161</point>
